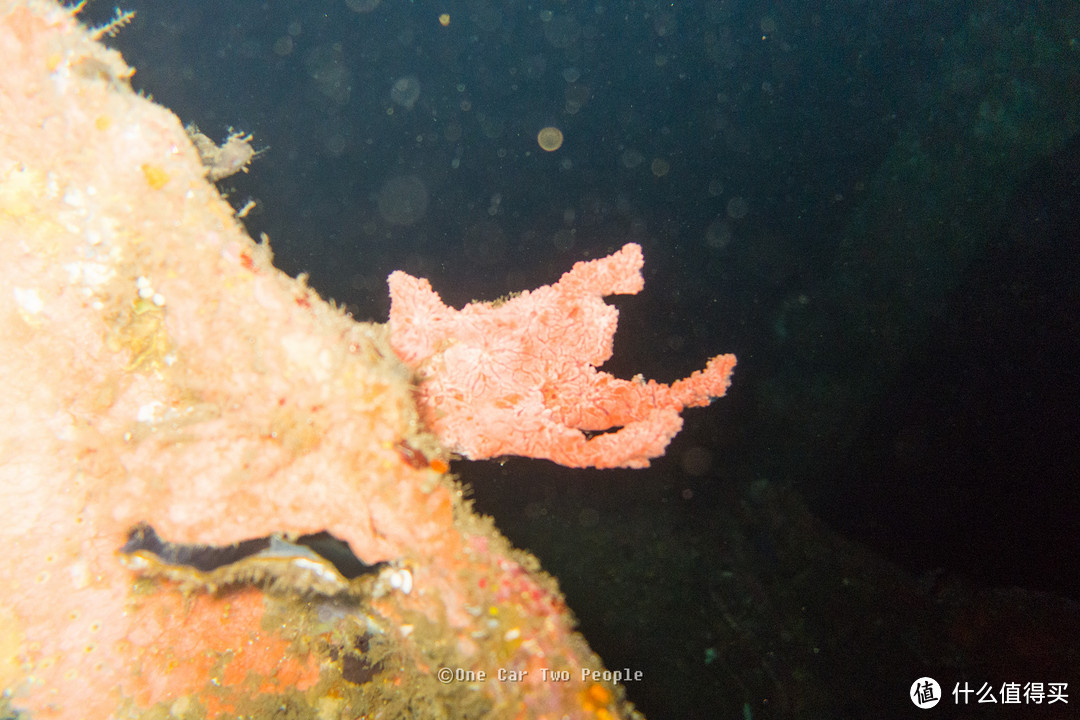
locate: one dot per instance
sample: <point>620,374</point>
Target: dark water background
<point>873,204</point>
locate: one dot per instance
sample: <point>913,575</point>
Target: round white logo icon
<point>925,692</point>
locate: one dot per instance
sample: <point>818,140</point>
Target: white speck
<point>95,274</point>
<point>401,580</point>
<point>148,411</point>
<point>74,198</point>
<point>28,300</point>
<point>135,562</point>
<point>80,575</point>
<point>158,299</point>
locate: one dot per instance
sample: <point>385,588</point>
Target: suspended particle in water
<point>406,92</point>
<point>550,138</point>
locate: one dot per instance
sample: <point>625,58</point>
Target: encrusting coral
<point>160,373</point>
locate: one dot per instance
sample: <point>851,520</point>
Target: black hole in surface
<point>207,558</point>
<point>337,552</point>
<point>590,434</point>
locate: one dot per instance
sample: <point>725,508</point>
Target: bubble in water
<point>484,243</point>
<point>695,461</point>
<point>665,24</point>
<point>631,158</point>
<point>362,6</point>
<point>718,234</point>
<point>327,67</point>
<point>403,200</point>
<point>576,97</point>
<point>562,31</point>
<point>283,46</point>
<point>406,92</point>
<point>737,208</point>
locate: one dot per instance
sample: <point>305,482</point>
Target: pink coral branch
<point>520,377</point>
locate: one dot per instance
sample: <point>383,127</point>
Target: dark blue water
<point>873,204</point>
